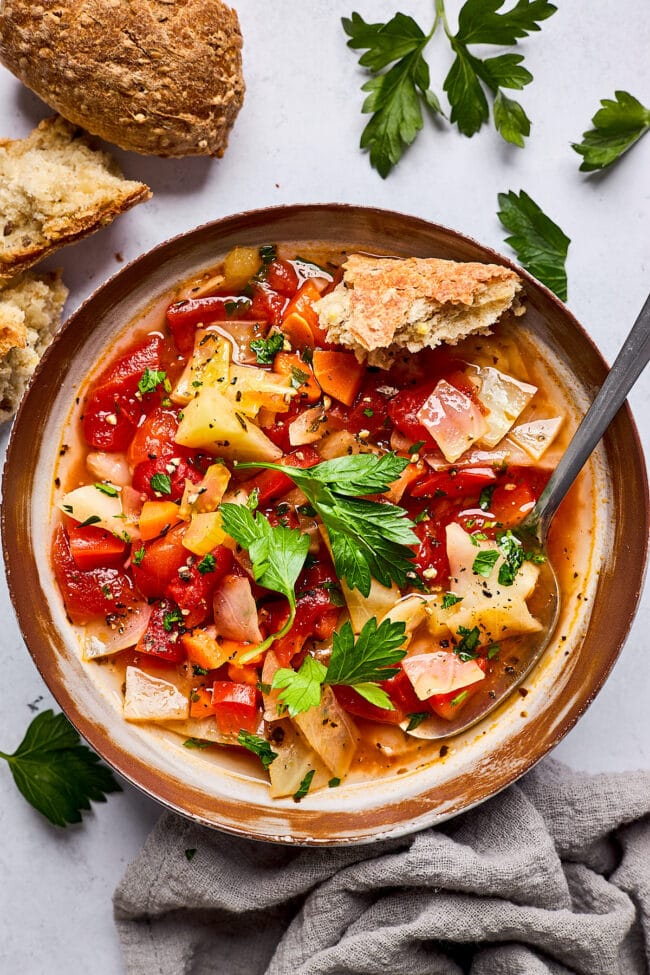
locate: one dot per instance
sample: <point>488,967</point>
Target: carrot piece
<point>156,516</point>
<point>338,374</point>
<point>244,674</point>
<point>201,703</point>
<point>290,364</point>
<point>204,651</point>
<point>302,304</point>
<point>296,328</point>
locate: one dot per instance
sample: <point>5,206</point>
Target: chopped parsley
<point>174,616</point>
<point>206,564</point>
<point>303,788</point>
<point>485,497</point>
<point>90,521</point>
<point>196,743</point>
<point>333,783</point>
<point>151,379</point>
<point>161,484</point>
<point>450,599</point>
<point>466,647</point>
<point>484,563</point>
<point>139,555</point>
<point>459,699</point>
<point>298,377</point>
<point>416,719</point>
<point>266,349</point>
<point>106,488</point>
<point>258,746</point>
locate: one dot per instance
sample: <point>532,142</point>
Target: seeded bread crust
<point>30,312</point>
<point>158,77</point>
<point>384,305</point>
<point>55,189</point>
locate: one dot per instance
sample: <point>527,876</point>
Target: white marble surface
<point>296,141</point>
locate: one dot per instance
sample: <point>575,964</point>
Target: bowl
<point>226,791</point>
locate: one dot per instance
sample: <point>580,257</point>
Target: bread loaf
<point>55,189</point>
<point>30,312</point>
<point>160,77</point>
<point>383,305</point>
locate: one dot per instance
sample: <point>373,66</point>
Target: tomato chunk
<point>466,482</point>
<point>162,636</point>
<point>235,707</point>
<point>273,484</point>
<point>351,701</point>
<point>193,591</point>
<point>91,593</point>
<point>161,479</point>
<point>155,564</point>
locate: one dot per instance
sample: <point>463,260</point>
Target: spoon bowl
<point>545,601</point>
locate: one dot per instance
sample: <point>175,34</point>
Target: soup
<point>278,548</point>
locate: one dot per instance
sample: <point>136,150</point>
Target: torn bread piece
<point>30,312</point>
<point>383,305</point>
<point>55,189</point>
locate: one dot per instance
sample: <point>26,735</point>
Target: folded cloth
<point>550,876</point>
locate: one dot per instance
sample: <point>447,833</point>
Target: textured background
<point>296,141</point>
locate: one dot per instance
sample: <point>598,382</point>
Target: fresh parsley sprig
<point>258,746</point>
<point>277,554</point>
<point>58,775</point>
<point>369,539</point>
<point>539,243</point>
<point>400,84</point>
<point>360,663</point>
<point>617,125</point>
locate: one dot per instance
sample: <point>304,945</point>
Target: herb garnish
<point>151,379</point>
<point>174,616</point>
<point>470,640</point>
<point>258,746</point>
<point>540,244</point>
<point>617,126</point>
<point>484,562</point>
<point>161,483</point>
<point>369,539</point>
<point>278,555</point>
<point>450,599</point>
<point>415,720</point>
<point>266,349</point>
<point>139,555</point>
<point>106,488</point>
<point>360,663</point>
<point>206,564</point>
<point>303,788</point>
<point>399,89</point>
<point>485,497</point>
<point>91,520</point>
<point>56,773</point>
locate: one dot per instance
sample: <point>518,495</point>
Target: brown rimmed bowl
<point>227,792</point>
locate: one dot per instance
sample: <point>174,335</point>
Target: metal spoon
<point>533,532</point>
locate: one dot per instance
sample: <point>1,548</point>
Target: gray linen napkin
<point>550,876</point>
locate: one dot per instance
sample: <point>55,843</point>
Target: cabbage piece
<point>148,698</point>
<point>331,732</point>
<point>91,505</point>
<point>537,436</point>
<point>505,398</point>
<point>377,603</point>
<point>497,611</point>
<point>208,365</point>
<point>295,760</point>
<point>453,419</point>
<point>440,672</point>
<point>203,729</point>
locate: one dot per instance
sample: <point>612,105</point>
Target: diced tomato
<point>516,494</point>
<point>468,482</point>
<point>403,410</point>
<point>193,592</point>
<point>146,471</point>
<point>369,411</point>
<point>112,410</point>
<point>162,636</point>
<point>155,437</point>
<point>281,277</point>
<point>278,432</point>
<point>267,305</point>
<point>93,548</point>
<point>92,593</point>
<point>400,691</point>
<point>349,699</point>
<point>160,563</point>
<point>273,484</point>
<point>432,552</point>
<point>235,707</point>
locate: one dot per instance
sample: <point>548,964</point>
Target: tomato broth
<point>233,368</point>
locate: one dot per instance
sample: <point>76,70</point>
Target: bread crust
<point>56,134</point>
<point>388,303</point>
<point>159,77</point>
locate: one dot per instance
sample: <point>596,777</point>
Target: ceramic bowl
<point>226,791</point>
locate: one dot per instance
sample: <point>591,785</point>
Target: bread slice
<point>30,312</point>
<point>383,305</point>
<point>55,189</point>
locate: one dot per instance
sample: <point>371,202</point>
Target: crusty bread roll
<point>383,305</point>
<point>30,312</point>
<point>159,77</point>
<point>55,189</point>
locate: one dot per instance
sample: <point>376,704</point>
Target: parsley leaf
<point>466,647</point>
<point>278,555</point>
<point>151,379</point>
<point>161,483</point>
<point>416,719</point>
<point>369,539</point>
<point>174,616</point>
<point>395,97</point>
<point>359,663</point>
<point>106,488</point>
<point>258,746</point>
<point>617,125</point>
<point>450,599</point>
<point>303,788</point>
<point>206,564</point>
<point>484,562</point>
<point>56,773</point>
<point>139,555</point>
<point>540,244</point>
<point>514,556</point>
<point>266,349</point>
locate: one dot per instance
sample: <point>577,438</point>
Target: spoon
<point>533,531</point>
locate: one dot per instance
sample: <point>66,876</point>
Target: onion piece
<point>126,628</point>
<point>308,427</point>
<point>89,505</point>
<point>331,732</point>
<point>440,672</point>
<point>148,698</point>
<point>109,467</point>
<point>202,729</point>
<point>294,760</point>
<point>235,612</point>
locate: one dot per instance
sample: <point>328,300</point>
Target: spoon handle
<point>629,364</point>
